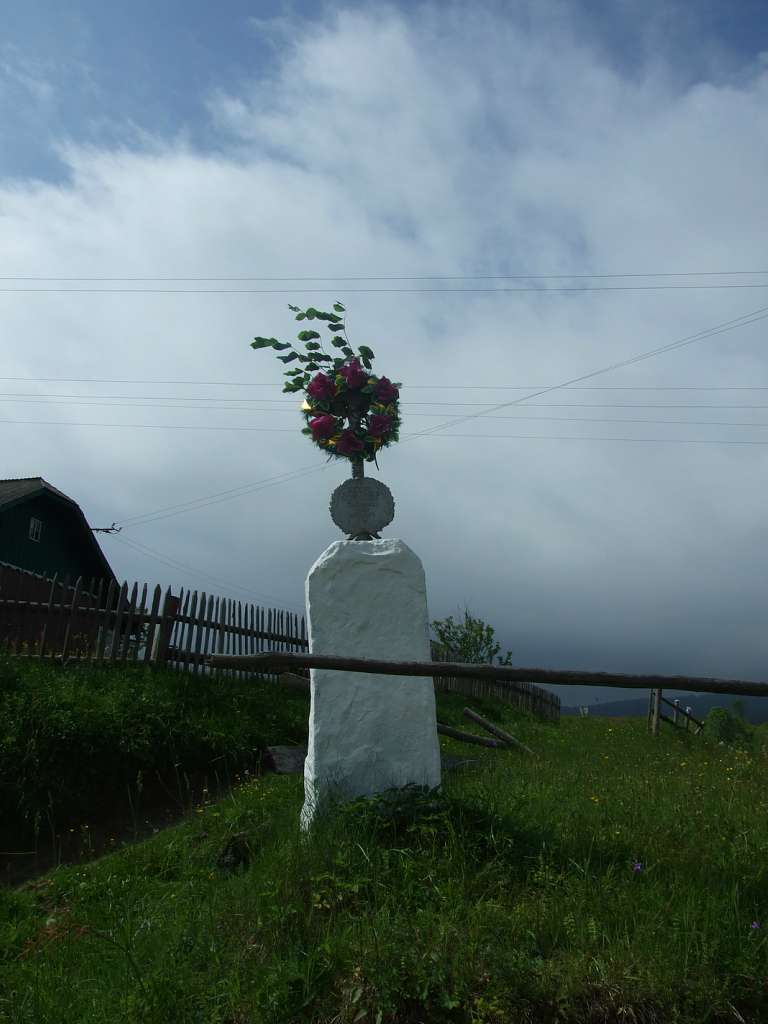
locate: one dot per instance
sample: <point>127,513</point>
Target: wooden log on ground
<point>495,730</point>
<point>291,681</point>
<point>290,760</point>
<point>468,737</point>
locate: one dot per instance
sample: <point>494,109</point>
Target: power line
<point>431,277</point>
<point>717,329</point>
<point>423,387</point>
<point>286,430</point>
<point>174,564</point>
<point>214,499</point>
<point>727,325</point>
<point>378,291</point>
<point>65,401</point>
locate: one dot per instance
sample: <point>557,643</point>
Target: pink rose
<point>354,375</point>
<point>378,425</point>
<point>321,387</point>
<point>348,444</point>
<point>322,427</point>
<point>385,392</point>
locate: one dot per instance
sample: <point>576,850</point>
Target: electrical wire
<point>433,277</point>
<point>422,387</point>
<point>174,564</point>
<point>741,321</point>
<point>727,325</point>
<point>380,291</point>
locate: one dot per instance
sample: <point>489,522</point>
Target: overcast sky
<point>614,525</point>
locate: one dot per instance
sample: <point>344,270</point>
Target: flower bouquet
<point>349,412</point>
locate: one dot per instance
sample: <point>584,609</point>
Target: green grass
<point>512,895</point>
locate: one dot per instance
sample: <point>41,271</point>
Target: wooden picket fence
<point>84,621</point>
<point>526,696</point>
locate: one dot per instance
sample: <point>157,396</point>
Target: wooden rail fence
<point>84,621</point>
<point>655,715</point>
<point>523,695</point>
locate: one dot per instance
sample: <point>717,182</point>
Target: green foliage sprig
<point>343,389</point>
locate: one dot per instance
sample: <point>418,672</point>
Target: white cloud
<point>449,141</point>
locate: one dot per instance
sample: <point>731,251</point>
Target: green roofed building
<point>45,532</point>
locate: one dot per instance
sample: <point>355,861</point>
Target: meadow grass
<point>615,876</point>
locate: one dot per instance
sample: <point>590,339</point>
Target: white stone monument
<point>367,598</point>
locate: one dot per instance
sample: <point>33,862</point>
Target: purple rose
<point>321,387</point>
<point>378,425</point>
<point>354,375</point>
<point>348,444</point>
<point>322,427</point>
<point>385,392</point>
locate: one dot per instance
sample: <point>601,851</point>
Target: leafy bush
<point>722,726</point>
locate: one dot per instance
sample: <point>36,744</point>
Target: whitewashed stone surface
<point>368,733</point>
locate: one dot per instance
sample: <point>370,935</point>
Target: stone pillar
<point>368,733</point>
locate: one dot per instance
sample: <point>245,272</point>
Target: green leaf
<point>289,358</point>
<point>296,372</point>
<point>338,307</point>
<point>263,342</point>
<point>301,316</point>
<point>365,352</point>
<point>294,308</point>
<point>307,335</point>
<point>311,313</point>
<point>338,342</point>
<point>281,344</point>
<point>303,358</point>
<point>312,345</point>
<point>312,366</point>
<point>338,362</point>
<point>323,356</point>
<point>336,325</point>
<point>366,362</point>
<point>347,351</point>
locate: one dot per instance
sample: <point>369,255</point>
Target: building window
<point>35,528</point>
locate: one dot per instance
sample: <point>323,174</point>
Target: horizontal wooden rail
<point>269,660</point>
<point>681,711</point>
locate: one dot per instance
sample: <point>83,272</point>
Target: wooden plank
<point>104,624</point>
<point>129,621</point>
<point>152,623</point>
<point>122,600</point>
<point>68,628</point>
<point>468,737</point>
<point>141,622</point>
<point>269,661</point>
<point>208,632</point>
<point>500,734</point>
<point>186,631</point>
<point>47,617</point>
<point>202,608</point>
<point>163,634</point>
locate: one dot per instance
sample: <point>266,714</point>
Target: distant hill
<point>755,708</point>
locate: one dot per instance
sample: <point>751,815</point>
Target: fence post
<point>656,712</point>
<point>687,720</point>
<point>163,633</point>
<point>674,713</point>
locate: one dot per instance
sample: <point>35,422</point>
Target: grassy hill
<point>613,876</point>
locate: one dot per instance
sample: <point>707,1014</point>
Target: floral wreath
<point>343,392</point>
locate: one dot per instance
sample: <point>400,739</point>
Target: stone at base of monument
<point>368,732</point>
<point>290,760</point>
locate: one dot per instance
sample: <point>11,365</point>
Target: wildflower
<point>637,866</point>
<point>754,925</point>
